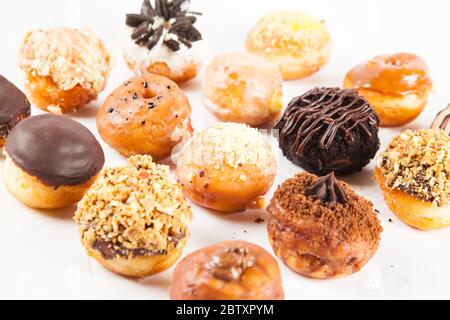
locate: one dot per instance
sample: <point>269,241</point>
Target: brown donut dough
<point>317,240</point>
<point>231,270</point>
<point>148,114</point>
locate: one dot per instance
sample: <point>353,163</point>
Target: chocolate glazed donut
<point>329,129</point>
<point>14,107</point>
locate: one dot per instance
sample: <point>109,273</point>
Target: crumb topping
<point>352,221</point>
<point>70,57</point>
<point>291,32</point>
<point>135,209</point>
<point>234,145</point>
<point>418,163</point>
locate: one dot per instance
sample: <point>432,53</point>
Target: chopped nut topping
<point>418,163</point>
<point>135,209</point>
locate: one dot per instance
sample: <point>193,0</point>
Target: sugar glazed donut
<point>51,161</point>
<point>146,115</point>
<point>65,68</point>
<point>231,270</point>
<point>397,86</point>
<point>227,167</point>
<point>134,220</point>
<point>243,88</point>
<point>414,175</point>
<point>14,107</point>
<point>162,39</point>
<point>320,228</point>
<point>329,130</point>
<point>297,42</point>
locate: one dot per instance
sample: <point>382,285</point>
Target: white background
<point>41,256</point>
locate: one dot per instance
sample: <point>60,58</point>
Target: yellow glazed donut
<point>65,68</point>
<point>244,88</point>
<point>134,220</point>
<point>397,86</point>
<point>227,167</point>
<point>297,42</point>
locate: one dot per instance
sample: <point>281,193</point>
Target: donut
<point>297,42</point>
<point>134,220</point>
<point>148,114</point>
<point>414,175</point>
<point>243,88</point>
<point>163,39</point>
<point>51,161</point>
<point>14,107</point>
<point>65,68</point>
<point>227,167</point>
<point>320,228</point>
<point>329,130</point>
<point>397,86</point>
<point>230,270</point>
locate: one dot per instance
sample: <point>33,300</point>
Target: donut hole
<point>149,94</point>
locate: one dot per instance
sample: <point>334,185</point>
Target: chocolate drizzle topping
<point>109,251</point>
<point>14,106</point>
<point>56,150</point>
<point>229,264</point>
<point>169,20</point>
<point>442,120</point>
<point>328,190</point>
<point>325,112</point>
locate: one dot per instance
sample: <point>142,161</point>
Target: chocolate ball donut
<point>329,130</point>
<point>51,161</point>
<point>321,228</point>
<point>230,270</point>
<point>14,107</point>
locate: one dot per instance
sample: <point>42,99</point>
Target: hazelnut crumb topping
<point>135,209</point>
<point>418,163</point>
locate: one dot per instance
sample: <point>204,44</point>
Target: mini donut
<point>227,167</point>
<point>320,228</point>
<point>163,39</point>
<point>51,161</point>
<point>133,220</point>
<point>230,270</point>
<point>297,42</point>
<point>397,86</point>
<point>414,175</point>
<point>329,130</point>
<point>14,107</point>
<point>65,68</point>
<point>243,88</point>
<point>148,114</point>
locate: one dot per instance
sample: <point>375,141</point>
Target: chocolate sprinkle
<point>442,120</point>
<point>178,21</point>
<point>328,190</point>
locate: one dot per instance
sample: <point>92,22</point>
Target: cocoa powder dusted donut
<point>51,161</point>
<point>14,107</point>
<point>146,115</point>
<point>230,270</point>
<point>320,228</point>
<point>134,220</point>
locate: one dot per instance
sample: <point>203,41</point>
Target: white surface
<point>41,254</point>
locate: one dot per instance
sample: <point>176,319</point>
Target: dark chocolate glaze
<point>110,251</point>
<point>329,129</point>
<point>14,106</point>
<point>56,150</point>
<point>328,190</point>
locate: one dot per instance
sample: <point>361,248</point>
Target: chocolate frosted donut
<point>51,161</point>
<point>329,129</point>
<point>14,107</point>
